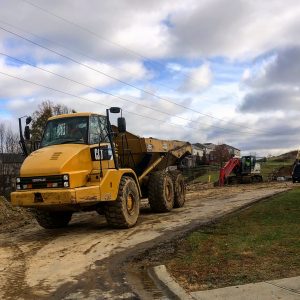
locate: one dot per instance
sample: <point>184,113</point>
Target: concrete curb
<point>167,284</point>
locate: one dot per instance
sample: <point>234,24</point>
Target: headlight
<point>66,184</point>
<point>66,177</point>
<point>18,180</point>
<point>18,187</point>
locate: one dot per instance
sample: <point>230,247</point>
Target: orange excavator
<point>240,170</point>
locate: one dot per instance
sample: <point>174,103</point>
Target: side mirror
<point>121,125</point>
<point>27,132</point>
<point>115,110</point>
<point>28,120</point>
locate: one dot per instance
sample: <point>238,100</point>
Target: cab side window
<point>97,130</point>
<point>94,130</point>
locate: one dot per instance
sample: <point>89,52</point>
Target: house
<point>10,164</point>
<point>209,147</point>
<point>198,150</point>
<point>233,151</point>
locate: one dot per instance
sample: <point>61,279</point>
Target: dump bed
<point>144,154</point>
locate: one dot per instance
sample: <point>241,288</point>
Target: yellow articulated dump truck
<point>83,163</point>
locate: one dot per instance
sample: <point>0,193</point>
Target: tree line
<point>10,150</point>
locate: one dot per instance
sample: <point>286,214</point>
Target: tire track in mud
<point>14,272</point>
<point>37,241</point>
<point>25,246</point>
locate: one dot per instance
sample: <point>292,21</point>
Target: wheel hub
<point>130,203</point>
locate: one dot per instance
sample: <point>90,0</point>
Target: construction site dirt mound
<point>12,217</point>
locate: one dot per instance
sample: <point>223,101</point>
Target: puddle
<point>144,286</point>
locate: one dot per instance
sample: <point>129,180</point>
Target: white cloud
<point>179,34</point>
<point>198,79</point>
<point>235,29</point>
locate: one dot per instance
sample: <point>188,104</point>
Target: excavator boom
<point>227,169</point>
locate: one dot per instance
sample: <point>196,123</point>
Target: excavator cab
<point>247,164</point>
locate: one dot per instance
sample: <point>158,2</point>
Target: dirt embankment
<point>12,217</point>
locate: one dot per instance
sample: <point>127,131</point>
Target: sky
<point>201,71</point>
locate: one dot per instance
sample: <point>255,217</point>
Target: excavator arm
<point>228,168</point>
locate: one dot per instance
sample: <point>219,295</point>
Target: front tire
<point>124,212</point>
<point>179,188</point>
<point>161,192</point>
<point>52,219</point>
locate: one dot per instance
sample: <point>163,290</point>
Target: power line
<point>78,52</point>
<point>117,79</point>
<point>108,41</point>
<point>96,102</point>
<point>97,35</point>
<point>111,94</point>
<point>92,58</point>
<point>91,32</point>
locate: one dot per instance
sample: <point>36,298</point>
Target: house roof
<point>195,147</point>
<point>210,145</point>
<point>231,147</point>
<point>199,146</point>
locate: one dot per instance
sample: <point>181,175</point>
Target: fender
<point>109,184</point>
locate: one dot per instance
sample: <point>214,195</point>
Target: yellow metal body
<point>90,183</point>
<point>160,153</point>
<point>86,186</point>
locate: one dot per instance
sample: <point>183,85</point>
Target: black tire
<point>179,188</point>
<point>161,192</point>
<point>52,219</point>
<point>124,212</point>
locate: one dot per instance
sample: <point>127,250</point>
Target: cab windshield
<point>76,130</point>
<point>66,130</point>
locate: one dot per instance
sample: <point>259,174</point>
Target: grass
<point>260,243</point>
<point>214,176</point>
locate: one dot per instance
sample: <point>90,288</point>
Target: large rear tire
<point>179,188</point>
<point>161,192</point>
<point>124,212</point>
<point>52,219</point>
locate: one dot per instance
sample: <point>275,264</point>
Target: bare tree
<point>39,118</point>
<point>9,158</point>
<point>221,154</point>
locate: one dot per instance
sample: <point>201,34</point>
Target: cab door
<point>101,150</point>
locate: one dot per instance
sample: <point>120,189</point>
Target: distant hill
<point>285,156</point>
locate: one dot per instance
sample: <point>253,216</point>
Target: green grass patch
<point>260,243</point>
<point>213,176</point>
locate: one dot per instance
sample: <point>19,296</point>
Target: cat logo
<point>102,153</point>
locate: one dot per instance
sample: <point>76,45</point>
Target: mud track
<point>84,260</point>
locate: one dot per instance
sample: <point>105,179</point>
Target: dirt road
<point>81,261</point>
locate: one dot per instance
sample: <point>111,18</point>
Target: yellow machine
<point>84,163</point>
